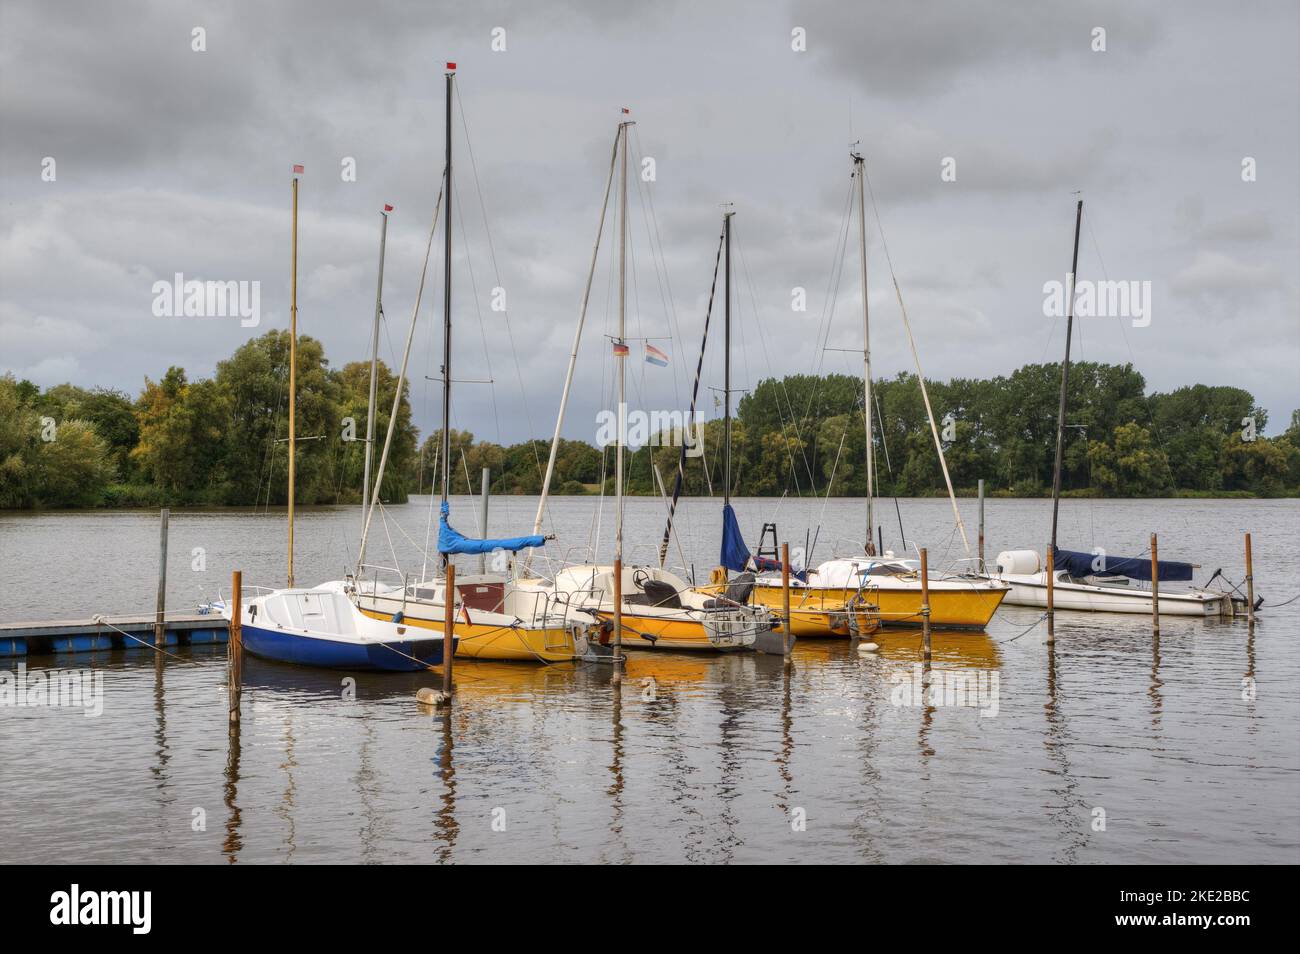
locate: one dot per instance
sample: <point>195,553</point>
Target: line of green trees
<point>223,440</point>
<point>806,434</point>
<point>215,441</point>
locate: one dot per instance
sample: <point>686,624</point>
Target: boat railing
<point>247,593</point>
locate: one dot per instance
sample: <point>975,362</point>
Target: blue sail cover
<point>1135,568</point>
<point>735,555</point>
<point>450,541</point>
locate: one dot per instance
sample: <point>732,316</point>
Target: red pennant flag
<point>297,169</point>
<point>451,66</point>
<point>388,208</point>
<point>626,111</point>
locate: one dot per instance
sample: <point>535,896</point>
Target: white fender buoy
<point>867,647</point>
<point>431,697</point>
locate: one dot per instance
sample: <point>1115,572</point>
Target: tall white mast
<point>866,356</point>
<point>374,362</point>
<point>573,353</point>
<point>293,370</point>
<point>621,362</point>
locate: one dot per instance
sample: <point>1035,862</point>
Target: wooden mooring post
<point>618,621</point>
<point>925,602</point>
<point>483,505</point>
<point>159,624</point>
<point>1155,587</point>
<point>1051,609</point>
<point>235,647</point>
<point>1250,584</point>
<point>448,630</point>
<point>787,642</point>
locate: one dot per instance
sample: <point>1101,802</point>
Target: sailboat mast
<point>374,363</point>
<point>293,371</point>
<point>1065,375</point>
<point>866,355</point>
<point>573,352</point>
<point>622,328</point>
<point>726,362</point>
<point>446,308</point>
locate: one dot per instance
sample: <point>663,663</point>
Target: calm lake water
<point>699,759</point>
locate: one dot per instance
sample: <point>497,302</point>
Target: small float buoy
<point>432,697</point>
<point>867,647</point>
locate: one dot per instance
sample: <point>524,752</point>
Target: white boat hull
<point>1031,590</point>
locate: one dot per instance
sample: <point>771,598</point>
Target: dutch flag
<point>654,356</point>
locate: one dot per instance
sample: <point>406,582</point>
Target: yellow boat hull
<point>510,643</point>
<point>684,634</point>
<point>807,623</point>
<point>822,618</point>
<point>966,608</point>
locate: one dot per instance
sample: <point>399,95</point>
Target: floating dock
<point>105,633</point>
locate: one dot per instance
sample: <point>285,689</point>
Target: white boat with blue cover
<point>322,627</point>
<point>1100,584</point>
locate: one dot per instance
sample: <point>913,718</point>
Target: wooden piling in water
<point>1155,587</point>
<point>483,504</point>
<point>1250,584</point>
<point>925,602</point>
<point>448,630</point>
<point>786,642</point>
<point>235,648</point>
<point>159,626</point>
<point>618,621</point>
<point>1051,608</point>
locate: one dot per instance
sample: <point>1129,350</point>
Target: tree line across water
<point>223,440</point>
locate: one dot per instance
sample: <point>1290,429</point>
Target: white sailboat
<point>643,607</point>
<point>321,626</point>
<point>1096,582</point>
<point>1107,589</point>
<point>495,618</point>
<point>891,585</point>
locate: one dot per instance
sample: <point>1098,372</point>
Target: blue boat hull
<point>333,654</point>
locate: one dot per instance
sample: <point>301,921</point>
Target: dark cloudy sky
<point>171,160</point>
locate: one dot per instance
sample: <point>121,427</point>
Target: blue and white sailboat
<point>321,626</point>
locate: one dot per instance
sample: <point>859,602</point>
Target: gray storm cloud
<point>170,160</point>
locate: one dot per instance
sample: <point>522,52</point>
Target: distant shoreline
<point>991,495</point>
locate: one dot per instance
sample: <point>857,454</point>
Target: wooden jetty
<point>106,632</point>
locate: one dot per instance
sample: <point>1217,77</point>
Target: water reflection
<point>287,806</point>
<point>232,843</point>
<point>446,827</point>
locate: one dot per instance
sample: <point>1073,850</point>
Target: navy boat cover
<point>1135,568</point>
<point>735,555</point>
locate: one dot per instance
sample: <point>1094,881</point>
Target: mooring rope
<point>102,621</point>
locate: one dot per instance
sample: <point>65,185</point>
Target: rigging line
<point>487,229</point>
<point>478,311</point>
<point>469,485</point>
<point>826,321</point>
<point>778,384</point>
<point>567,387</point>
<point>920,376</point>
<point>831,483</point>
<point>667,278</point>
<point>396,407</point>
<point>821,339</point>
<point>433,495</point>
<point>660,262</point>
<point>1119,321</point>
<point>889,468</point>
